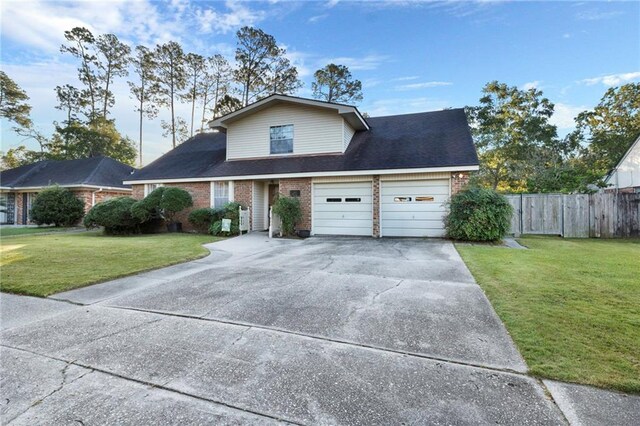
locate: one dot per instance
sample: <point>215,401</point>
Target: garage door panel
<point>437,199</point>
<point>414,218</point>
<point>430,233</point>
<point>361,215</point>
<point>364,199</point>
<point>434,215</point>
<point>343,217</point>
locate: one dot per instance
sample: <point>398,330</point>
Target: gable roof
<point>94,171</point>
<point>635,144</point>
<point>411,141</point>
<point>349,112</point>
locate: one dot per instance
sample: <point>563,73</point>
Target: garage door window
<point>352,200</point>
<point>334,200</point>
<point>401,199</point>
<point>424,198</point>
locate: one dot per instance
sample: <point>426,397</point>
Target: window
<point>281,139</point>
<point>401,199</point>
<point>220,194</point>
<point>149,187</point>
<point>294,193</point>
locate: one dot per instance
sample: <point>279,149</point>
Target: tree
<point>194,73</point>
<point>100,137</point>
<point>170,76</point>
<point>81,43</point>
<point>215,85</point>
<point>610,128</point>
<point>13,102</point>
<point>114,63</point>
<point>20,156</point>
<point>334,83</point>
<point>227,104</point>
<point>145,90</point>
<point>177,129</point>
<point>70,101</point>
<point>512,133</point>
<point>261,66</point>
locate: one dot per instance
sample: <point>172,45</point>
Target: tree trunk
<point>106,93</point>
<point>204,111</point>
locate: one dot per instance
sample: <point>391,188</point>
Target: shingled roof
<point>422,140</point>
<point>94,171</point>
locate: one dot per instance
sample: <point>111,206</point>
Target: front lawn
<point>8,232</point>
<point>41,265</point>
<point>571,306</point>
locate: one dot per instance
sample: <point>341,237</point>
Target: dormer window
<point>281,139</point>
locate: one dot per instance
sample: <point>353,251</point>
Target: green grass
<point>9,232</point>
<point>40,265</point>
<point>571,306</point>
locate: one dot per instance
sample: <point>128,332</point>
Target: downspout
<point>93,197</point>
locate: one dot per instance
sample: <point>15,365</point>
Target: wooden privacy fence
<point>601,215</point>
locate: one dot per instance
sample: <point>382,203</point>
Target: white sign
<point>226,225</point>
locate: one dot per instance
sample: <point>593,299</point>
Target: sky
<point>411,56</point>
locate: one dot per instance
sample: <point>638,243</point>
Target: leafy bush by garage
<point>478,214</point>
<point>58,206</point>
<point>288,208</point>
<point>115,215</point>
<point>230,211</point>
<point>201,219</point>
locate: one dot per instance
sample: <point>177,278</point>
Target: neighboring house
<point>625,177</point>
<point>383,176</point>
<point>90,179</point>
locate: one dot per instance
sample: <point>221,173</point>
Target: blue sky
<point>410,55</point>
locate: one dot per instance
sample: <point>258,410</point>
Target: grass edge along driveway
<point>571,306</point>
<point>41,265</point>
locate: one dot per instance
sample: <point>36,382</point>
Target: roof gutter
<point>310,174</point>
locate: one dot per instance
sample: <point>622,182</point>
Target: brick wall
<point>137,192</point>
<point>458,181</point>
<point>86,196</point>
<point>304,186</point>
<point>376,206</point>
<point>19,208</point>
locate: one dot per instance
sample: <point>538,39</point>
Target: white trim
<point>39,188</point>
<point>231,194</point>
<point>310,174</point>
<point>146,187</point>
<point>312,208</point>
<point>342,109</point>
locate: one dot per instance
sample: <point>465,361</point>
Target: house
<point>90,179</point>
<point>625,177</point>
<point>382,176</point>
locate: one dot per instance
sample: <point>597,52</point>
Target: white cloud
<point>408,78</point>
<point>597,15</point>
<point>317,18</point>
<point>531,85</point>
<point>424,85</point>
<point>395,106</point>
<point>564,114</point>
<point>612,79</point>
<point>331,3</point>
<point>368,62</point>
<point>238,15</point>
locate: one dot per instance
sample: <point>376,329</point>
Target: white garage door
<point>342,208</point>
<point>413,208</point>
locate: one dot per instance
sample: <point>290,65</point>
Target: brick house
<point>91,179</point>
<point>382,176</point>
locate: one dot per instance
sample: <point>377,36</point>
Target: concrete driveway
<point>320,331</point>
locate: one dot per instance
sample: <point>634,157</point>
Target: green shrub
<point>163,202</point>
<point>201,219</point>
<point>288,208</point>
<point>478,214</point>
<point>173,201</point>
<point>115,215</point>
<point>58,206</point>
<point>229,211</point>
